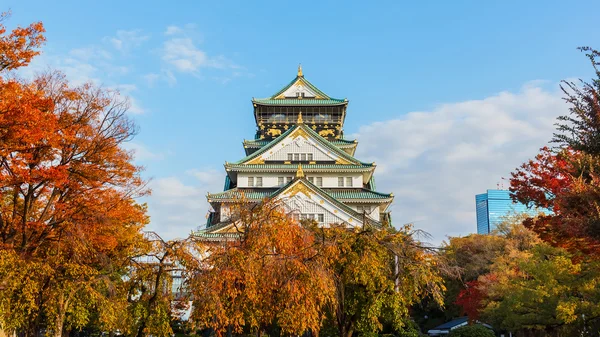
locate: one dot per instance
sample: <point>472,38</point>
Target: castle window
<point>296,156</point>
<point>321,218</point>
<point>280,181</point>
<point>290,156</point>
<point>250,181</point>
<point>340,181</point>
<point>310,156</point>
<point>349,181</point>
<point>288,179</point>
<point>311,179</point>
<point>303,157</point>
<point>320,181</point>
<point>259,181</point>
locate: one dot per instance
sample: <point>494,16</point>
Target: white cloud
<point>165,75</point>
<point>176,208</point>
<point>436,161</point>
<point>183,54</point>
<point>173,30</point>
<point>126,40</point>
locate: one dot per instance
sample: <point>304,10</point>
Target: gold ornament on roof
<point>325,133</point>
<point>274,132</point>
<point>300,71</point>
<point>299,173</point>
<point>300,121</point>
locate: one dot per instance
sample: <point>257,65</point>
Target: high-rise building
<point>493,207</point>
<point>300,157</point>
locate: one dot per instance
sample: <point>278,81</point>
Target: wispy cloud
<point>185,56</point>
<point>177,206</point>
<point>181,53</point>
<point>126,40</point>
<point>436,161</point>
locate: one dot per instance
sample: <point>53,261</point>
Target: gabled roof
<point>302,129</point>
<point>317,96</point>
<point>257,194</point>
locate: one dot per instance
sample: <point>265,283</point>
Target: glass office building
<point>492,208</point>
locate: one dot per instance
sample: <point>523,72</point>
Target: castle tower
<point>299,155</point>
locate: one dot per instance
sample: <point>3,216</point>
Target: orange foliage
<point>270,274</point>
<point>19,47</point>
<point>67,186</point>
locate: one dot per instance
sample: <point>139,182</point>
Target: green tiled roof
<point>294,167</point>
<point>310,131</point>
<point>256,142</point>
<point>261,193</point>
<point>343,142</point>
<point>293,101</point>
<point>325,100</point>
<point>362,193</point>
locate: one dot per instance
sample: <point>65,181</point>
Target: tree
<point>580,130</point>
<point>68,217</point>
<point>379,274</point>
<point>270,273</point>
<point>475,255</point>
<point>566,179</point>
<point>154,301</point>
<point>542,289</point>
<point>21,45</point>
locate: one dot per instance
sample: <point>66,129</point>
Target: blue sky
<point>446,96</point>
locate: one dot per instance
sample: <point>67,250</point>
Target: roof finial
<point>300,70</point>
<point>299,121</point>
<point>299,173</point>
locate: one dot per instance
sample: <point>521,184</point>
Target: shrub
<point>472,331</point>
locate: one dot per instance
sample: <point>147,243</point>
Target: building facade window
<point>280,181</point>
<point>320,181</point>
<point>259,181</point>
<point>250,181</point>
<point>311,179</point>
<point>319,217</point>
<point>300,156</point>
<point>340,181</point>
<point>349,181</point>
<point>288,179</point>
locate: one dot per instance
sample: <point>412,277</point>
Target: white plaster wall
<point>299,145</point>
<point>330,180</point>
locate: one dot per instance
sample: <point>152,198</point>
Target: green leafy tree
<point>379,274</point>
<point>542,289</point>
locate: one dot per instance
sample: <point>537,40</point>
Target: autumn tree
<point>566,179</point>
<point>541,291</point>
<point>270,273</point>
<point>379,274</point>
<point>69,221</point>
